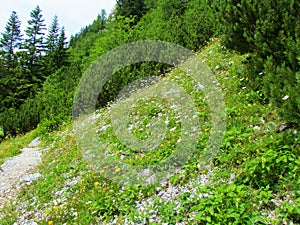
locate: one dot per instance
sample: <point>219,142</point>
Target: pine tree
<point>10,69</point>
<point>51,44</point>
<point>102,19</point>
<point>11,41</point>
<point>34,51</point>
<point>53,35</point>
<point>35,34</point>
<point>270,32</point>
<point>100,23</point>
<point>60,53</point>
<point>129,8</point>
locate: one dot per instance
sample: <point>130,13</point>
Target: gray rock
<point>103,129</point>
<point>29,178</point>
<point>35,142</point>
<point>25,222</point>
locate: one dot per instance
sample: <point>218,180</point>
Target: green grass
<point>265,161</point>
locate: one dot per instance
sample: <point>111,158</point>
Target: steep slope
<point>253,180</point>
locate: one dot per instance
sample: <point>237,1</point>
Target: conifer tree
<point>100,23</point>
<point>102,19</point>
<point>60,53</point>
<point>35,50</point>
<point>10,69</point>
<point>129,8</point>
<point>34,44</point>
<point>53,35</point>
<point>11,41</point>
<point>51,44</point>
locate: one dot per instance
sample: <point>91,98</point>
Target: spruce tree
<point>51,45</point>
<point>11,41</point>
<point>10,69</point>
<point>35,48</point>
<point>53,35</point>
<point>100,23</point>
<point>60,53</point>
<point>102,19</point>
<point>129,8</point>
<point>34,43</point>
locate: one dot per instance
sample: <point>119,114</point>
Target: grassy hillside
<point>253,180</point>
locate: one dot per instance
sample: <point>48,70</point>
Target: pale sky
<point>72,14</point>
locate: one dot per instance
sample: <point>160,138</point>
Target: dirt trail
<point>16,168</point>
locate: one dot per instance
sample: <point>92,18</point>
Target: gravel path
<point>17,168</point>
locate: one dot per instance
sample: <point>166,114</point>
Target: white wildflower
<point>167,121</point>
<point>285,97</point>
<point>130,127</point>
<point>173,129</point>
<point>199,86</point>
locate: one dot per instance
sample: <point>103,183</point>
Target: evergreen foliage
<point>128,8</point>
<point>34,47</point>
<point>10,80</point>
<point>270,31</point>
<point>25,64</point>
<point>56,48</point>
<point>53,34</point>
<point>11,41</point>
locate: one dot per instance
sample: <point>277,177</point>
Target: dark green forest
<point>40,70</point>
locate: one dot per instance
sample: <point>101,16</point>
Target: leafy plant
<point>228,204</point>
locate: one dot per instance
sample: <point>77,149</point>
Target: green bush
<point>274,162</point>
<point>187,23</point>
<point>56,97</point>
<point>15,122</point>
<point>230,204</point>
<point>199,24</point>
<point>270,30</point>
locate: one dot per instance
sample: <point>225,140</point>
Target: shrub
<point>52,105</point>
<point>230,204</point>
<point>270,30</point>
